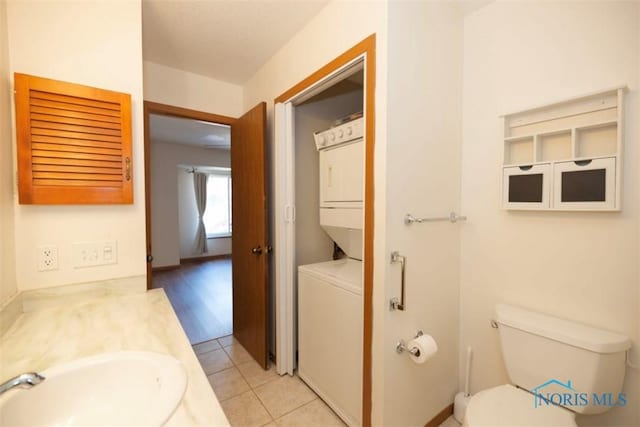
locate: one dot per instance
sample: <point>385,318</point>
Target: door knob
<point>257,250</point>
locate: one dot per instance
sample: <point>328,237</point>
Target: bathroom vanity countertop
<point>59,333</point>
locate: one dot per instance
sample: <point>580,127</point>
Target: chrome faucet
<point>26,380</point>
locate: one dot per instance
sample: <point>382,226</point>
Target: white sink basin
<point>129,388</point>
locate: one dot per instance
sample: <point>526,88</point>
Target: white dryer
<point>341,158</point>
<point>330,334</point>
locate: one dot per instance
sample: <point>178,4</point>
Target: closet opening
<point>324,231</point>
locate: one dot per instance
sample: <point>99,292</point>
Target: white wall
<point>313,244</point>
<point>7,244</point>
<point>423,178</point>
<point>98,44</point>
<point>311,48</point>
<point>180,88</point>
<point>165,230</point>
<point>581,266</point>
<point>188,222</point>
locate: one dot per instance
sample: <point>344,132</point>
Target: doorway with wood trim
<point>216,191</point>
<point>357,65</point>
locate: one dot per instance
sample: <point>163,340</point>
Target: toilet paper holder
<point>401,346</point>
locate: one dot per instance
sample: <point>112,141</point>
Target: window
<point>217,216</point>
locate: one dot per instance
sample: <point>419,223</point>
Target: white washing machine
<point>330,334</point>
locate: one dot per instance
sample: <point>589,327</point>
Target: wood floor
<point>201,295</point>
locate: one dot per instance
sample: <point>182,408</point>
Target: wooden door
<point>250,245</point>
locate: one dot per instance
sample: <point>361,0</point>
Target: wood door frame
<point>173,111</point>
<point>367,49</point>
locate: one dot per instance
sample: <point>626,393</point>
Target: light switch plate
<point>91,254</point>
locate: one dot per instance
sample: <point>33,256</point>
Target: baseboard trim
<point>166,268</point>
<point>190,261</point>
<point>204,258</point>
<point>440,417</point>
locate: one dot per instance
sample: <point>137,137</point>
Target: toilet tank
<point>570,364</point>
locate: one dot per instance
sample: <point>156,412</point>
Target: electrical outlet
<point>91,254</point>
<point>47,258</point>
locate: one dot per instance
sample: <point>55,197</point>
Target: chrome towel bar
<point>453,217</point>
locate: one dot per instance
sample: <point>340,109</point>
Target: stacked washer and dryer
<point>330,293</point>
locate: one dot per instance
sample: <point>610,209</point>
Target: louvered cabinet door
<point>73,143</point>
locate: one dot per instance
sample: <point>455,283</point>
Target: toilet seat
<point>508,406</point>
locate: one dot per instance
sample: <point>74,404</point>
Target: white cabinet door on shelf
<point>585,184</point>
<point>527,187</point>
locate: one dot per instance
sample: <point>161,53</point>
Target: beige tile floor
<point>450,422</point>
<point>251,396</point>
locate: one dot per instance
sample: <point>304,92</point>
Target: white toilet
<point>558,368</point>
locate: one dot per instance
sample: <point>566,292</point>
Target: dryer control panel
<point>341,134</point>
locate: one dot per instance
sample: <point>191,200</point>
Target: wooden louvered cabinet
<point>73,143</point>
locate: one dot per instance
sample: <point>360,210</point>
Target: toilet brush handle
<point>468,372</point>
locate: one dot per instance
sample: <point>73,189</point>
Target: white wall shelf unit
<point>565,156</point>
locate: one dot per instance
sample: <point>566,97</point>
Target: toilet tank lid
<point>566,331</point>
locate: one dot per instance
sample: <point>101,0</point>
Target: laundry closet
<point>329,195</point>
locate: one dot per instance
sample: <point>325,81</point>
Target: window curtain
<point>200,187</point>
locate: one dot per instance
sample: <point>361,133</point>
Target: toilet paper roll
<point>427,346</point>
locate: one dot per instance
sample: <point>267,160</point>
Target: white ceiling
<point>176,130</point>
<point>227,40</point>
